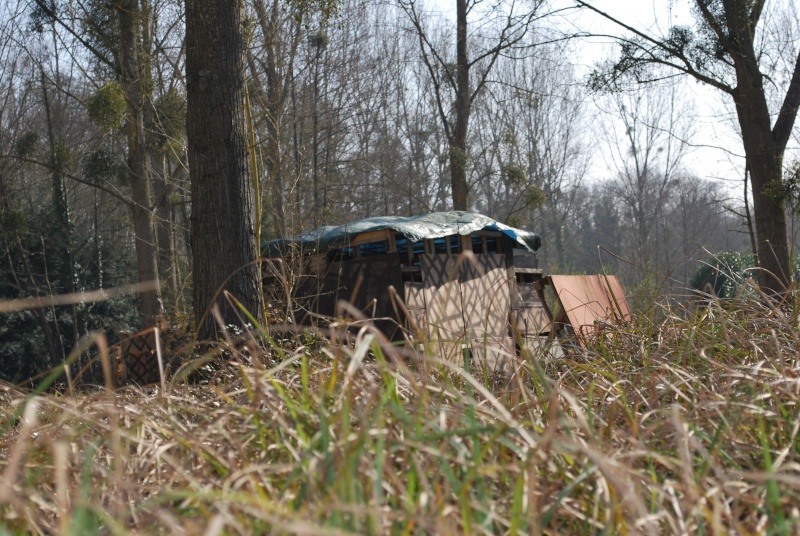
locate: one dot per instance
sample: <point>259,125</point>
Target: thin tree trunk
<point>748,217</point>
<point>146,251</point>
<point>458,140</point>
<point>273,96</point>
<point>64,246</point>
<point>162,219</point>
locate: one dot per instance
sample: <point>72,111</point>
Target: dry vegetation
<point>688,425</point>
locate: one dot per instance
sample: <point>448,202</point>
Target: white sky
<point>717,143</point>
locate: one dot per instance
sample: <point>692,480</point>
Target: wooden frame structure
<point>473,290</point>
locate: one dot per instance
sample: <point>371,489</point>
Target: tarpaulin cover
<point>414,228</point>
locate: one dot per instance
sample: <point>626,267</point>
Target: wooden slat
<point>372,236</point>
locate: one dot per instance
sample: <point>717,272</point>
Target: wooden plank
<point>371,236</point>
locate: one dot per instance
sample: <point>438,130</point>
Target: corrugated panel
<point>587,299</point>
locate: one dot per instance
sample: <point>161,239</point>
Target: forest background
<point>346,122</point>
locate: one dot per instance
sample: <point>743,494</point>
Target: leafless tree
<point>484,33</point>
<point>733,48</point>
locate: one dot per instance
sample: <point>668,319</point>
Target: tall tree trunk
<point>274,97</point>
<point>132,85</point>
<point>162,219</point>
<point>64,248</point>
<point>765,162</point>
<point>315,140</point>
<point>223,234</point>
<point>458,139</point>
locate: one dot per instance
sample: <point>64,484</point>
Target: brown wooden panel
<point>589,299</point>
<point>358,281</point>
<point>138,360</point>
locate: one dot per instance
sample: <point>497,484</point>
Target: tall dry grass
<point>687,426</point>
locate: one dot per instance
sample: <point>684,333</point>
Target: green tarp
<point>414,228</point>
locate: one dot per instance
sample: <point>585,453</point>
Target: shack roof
<point>414,228</point>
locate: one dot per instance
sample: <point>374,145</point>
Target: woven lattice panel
<point>139,362</point>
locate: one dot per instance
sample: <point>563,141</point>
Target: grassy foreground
<point>685,426</point>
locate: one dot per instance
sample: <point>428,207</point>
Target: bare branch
<point>685,65</point>
<point>99,55</point>
<point>786,117</point>
<point>119,197</point>
<point>425,45</point>
<point>714,25</point>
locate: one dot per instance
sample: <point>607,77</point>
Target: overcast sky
<point>712,115</point>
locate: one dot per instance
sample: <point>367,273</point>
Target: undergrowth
<point>685,426</point>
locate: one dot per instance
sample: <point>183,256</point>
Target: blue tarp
<point>414,228</point>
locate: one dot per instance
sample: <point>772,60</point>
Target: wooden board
<point>588,300</point>
<point>137,361</point>
<point>362,282</point>
<point>468,305</point>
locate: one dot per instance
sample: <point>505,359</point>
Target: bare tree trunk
<point>162,218</point>
<point>146,251</point>
<point>274,97</point>
<point>223,234</point>
<point>747,216</point>
<point>61,209</point>
<point>458,139</point>
<point>765,160</point>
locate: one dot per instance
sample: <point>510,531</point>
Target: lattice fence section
<point>138,358</point>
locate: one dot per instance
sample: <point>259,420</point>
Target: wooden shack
<point>464,278</point>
